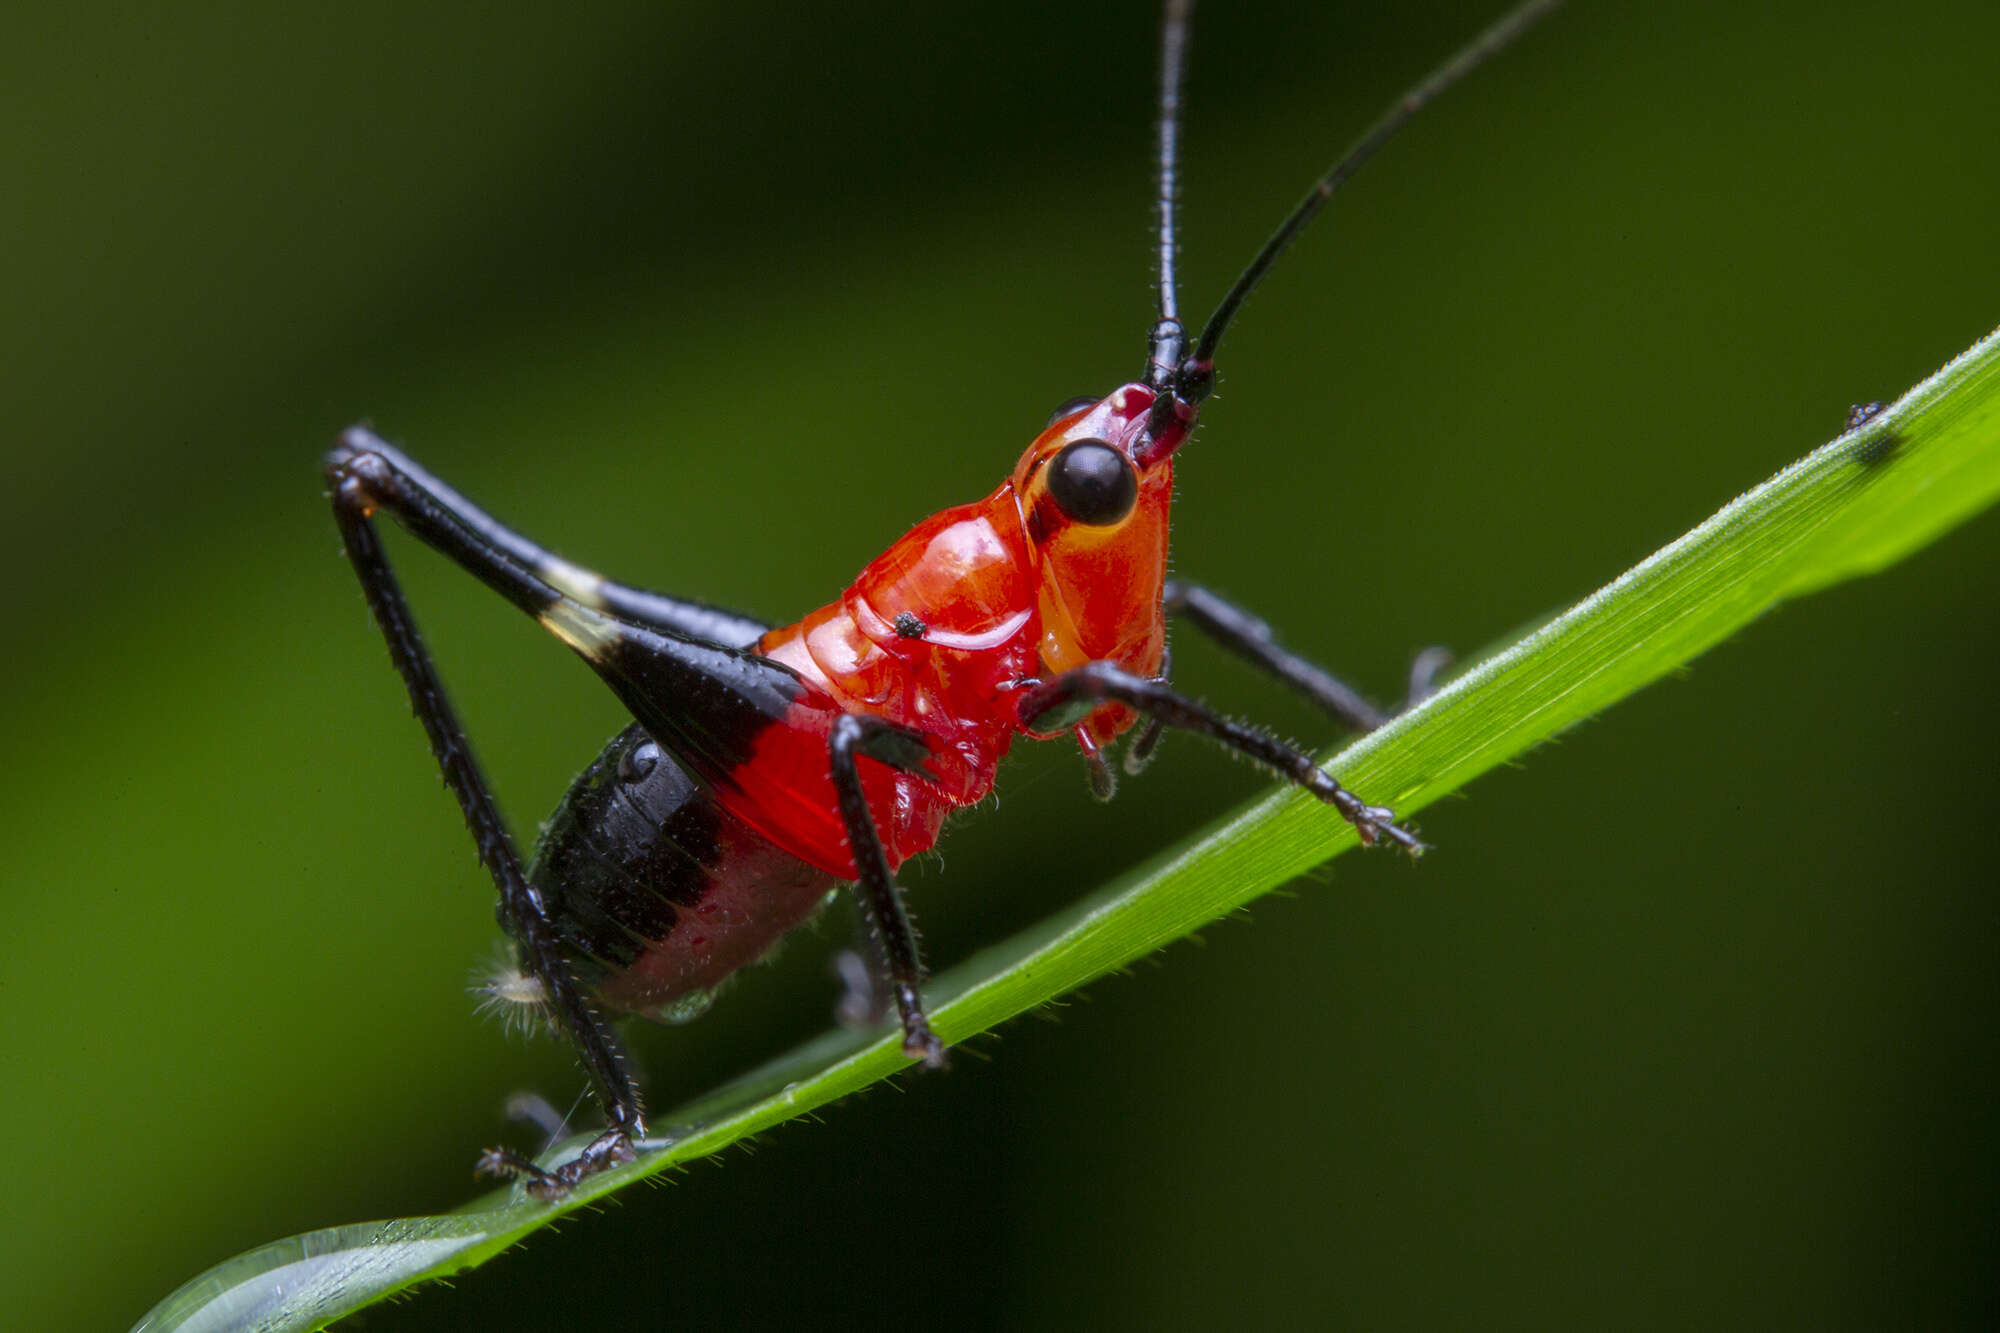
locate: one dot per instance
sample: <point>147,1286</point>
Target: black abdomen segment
<point>656,892</point>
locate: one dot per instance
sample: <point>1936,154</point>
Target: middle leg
<point>893,937</point>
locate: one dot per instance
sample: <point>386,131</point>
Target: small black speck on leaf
<point>1876,448</point>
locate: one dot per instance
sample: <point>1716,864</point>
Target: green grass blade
<point>1855,506</point>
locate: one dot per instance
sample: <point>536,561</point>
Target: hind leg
<point>521,906</point>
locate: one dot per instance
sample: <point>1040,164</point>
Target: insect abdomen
<point>657,892</point>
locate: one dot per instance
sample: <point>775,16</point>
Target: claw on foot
<point>919,1042</point>
<point>505,1164</point>
<point>926,1046</point>
<point>1386,827</point>
<point>1376,822</point>
<point>612,1148</point>
<point>1372,823</point>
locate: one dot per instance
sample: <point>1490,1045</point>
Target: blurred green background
<point>1688,1021</point>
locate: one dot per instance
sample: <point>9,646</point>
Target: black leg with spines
<point>1067,695</point>
<point>521,904</point>
<point>856,734</point>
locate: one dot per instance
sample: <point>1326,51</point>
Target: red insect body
<point>1006,590</point>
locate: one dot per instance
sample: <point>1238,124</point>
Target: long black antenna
<point>1489,43</point>
<point>1167,339</point>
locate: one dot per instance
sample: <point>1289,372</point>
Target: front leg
<point>1065,699</point>
<point>881,899</point>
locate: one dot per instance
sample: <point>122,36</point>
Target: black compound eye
<point>1069,409</point>
<point>1093,483</point>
